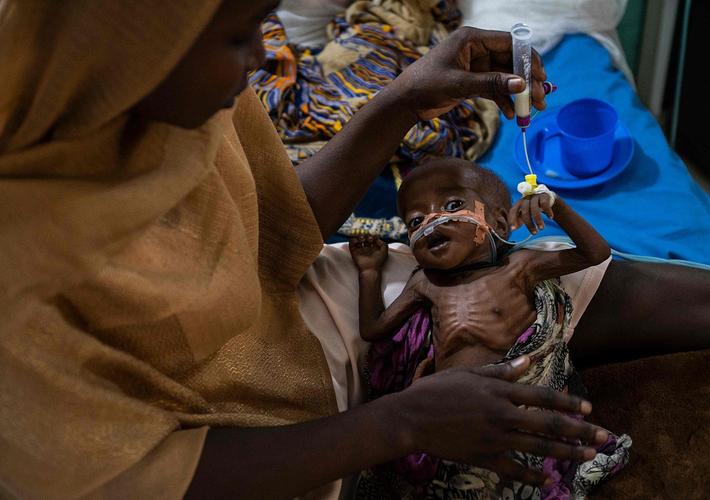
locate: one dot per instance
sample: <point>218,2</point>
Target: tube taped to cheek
<point>431,221</point>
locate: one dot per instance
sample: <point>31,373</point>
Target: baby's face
<point>451,244</point>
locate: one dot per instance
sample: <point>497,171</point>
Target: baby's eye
<point>415,222</point>
<point>453,205</point>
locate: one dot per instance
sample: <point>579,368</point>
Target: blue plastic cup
<point>586,128</point>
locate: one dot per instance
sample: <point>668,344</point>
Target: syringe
<point>522,66</point>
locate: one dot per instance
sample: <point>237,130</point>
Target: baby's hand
<point>368,252</point>
<point>529,211</point>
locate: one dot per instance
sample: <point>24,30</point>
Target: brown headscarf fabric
<point>147,273</point>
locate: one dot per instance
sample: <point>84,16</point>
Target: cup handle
<point>542,137</point>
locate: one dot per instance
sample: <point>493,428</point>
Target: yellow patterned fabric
<point>147,285</point>
<point>311,94</point>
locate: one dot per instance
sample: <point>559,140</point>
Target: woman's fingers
<point>558,425</point>
<point>422,369</point>
<point>469,63</point>
<point>505,104</point>
<point>538,76</point>
<point>550,399</point>
<point>537,94</point>
<point>544,447</point>
<point>510,371</point>
<point>551,424</point>
<point>491,85</point>
<point>538,70</point>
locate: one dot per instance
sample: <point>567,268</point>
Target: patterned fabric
<point>391,366</point>
<point>311,94</point>
<point>392,229</point>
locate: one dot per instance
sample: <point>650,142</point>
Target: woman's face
<point>214,71</point>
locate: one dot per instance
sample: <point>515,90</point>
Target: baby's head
<point>450,185</point>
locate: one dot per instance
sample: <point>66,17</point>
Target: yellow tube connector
<point>532,180</point>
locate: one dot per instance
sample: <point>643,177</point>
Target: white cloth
<point>550,20</point>
<point>329,305</point>
<point>305,20</point>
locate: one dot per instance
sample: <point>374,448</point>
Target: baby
<point>459,216</point>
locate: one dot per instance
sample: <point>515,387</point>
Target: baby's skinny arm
<point>376,322</point>
<point>591,248</point>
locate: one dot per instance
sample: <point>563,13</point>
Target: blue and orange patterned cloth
<point>311,94</point>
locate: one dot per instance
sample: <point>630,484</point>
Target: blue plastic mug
<point>586,128</point>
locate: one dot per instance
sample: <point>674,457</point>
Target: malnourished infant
<point>459,215</point>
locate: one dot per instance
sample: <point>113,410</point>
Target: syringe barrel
<point>522,50</point>
<point>522,66</point>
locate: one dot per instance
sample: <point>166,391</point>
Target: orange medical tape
<point>478,214</point>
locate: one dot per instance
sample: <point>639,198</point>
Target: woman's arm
<point>283,462</point>
<point>477,428</point>
<point>644,309</point>
<point>469,63</point>
<point>338,176</point>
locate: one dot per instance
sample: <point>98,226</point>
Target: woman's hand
<point>474,416</point>
<point>467,415</point>
<point>469,63</point>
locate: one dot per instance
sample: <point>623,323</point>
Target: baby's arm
<point>369,254</point>
<point>591,249</point>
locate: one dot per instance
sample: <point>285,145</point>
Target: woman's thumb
<point>510,370</point>
<point>489,85</point>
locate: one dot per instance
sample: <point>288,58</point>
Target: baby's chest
<point>484,305</point>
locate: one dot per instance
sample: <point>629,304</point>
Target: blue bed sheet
<point>654,207</point>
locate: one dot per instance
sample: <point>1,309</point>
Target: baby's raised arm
<point>369,254</point>
<point>591,249</point>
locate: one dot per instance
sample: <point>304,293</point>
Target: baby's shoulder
<point>418,282</point>
<point>521,255</point>
<point>528,262</point>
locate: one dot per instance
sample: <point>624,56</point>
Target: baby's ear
<point>501,225</point>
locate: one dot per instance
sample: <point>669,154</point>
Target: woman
<point>151,344</point>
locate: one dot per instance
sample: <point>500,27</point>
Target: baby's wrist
<point>559,204</point>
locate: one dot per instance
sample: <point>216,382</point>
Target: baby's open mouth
<point>436,241</point>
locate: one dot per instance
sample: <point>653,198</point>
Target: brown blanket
<point>663,403</point>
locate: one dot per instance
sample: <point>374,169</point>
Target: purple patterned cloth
<point>392,365</point>
<point>392,362</point>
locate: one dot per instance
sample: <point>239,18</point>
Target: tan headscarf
<point>147,273</point>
